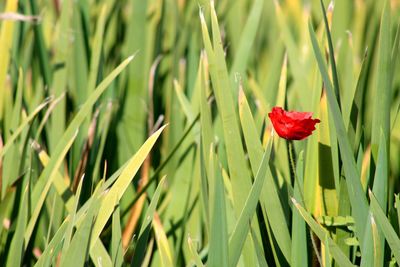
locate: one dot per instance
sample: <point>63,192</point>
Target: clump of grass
<point>136,133</point>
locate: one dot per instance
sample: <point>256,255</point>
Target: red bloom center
<point>292,125</point>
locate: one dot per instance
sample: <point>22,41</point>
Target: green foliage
<point>136,133</point>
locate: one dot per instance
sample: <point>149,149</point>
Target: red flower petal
<point>292,125</point>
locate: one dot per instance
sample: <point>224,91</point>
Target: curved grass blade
<point>121,184</point>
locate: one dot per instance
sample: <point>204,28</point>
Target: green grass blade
<point>53,247</point>
<point>218,251</point>
<point>335,251</point>
<point>299,234</point>
<point>49,172</point>
<point>259,250</point>
<point>117,254</point>
<point>390,234</point>
<point>60,77</point>
<point>238,171</point>
<point>6,38</point>
<point>241,230</point>
<point>246,41</point>
<point>121,184</point>
<point>356,194</point>
<point>78,250</point>
<point>72,215</point>
<point>331,56</point>
<point>77,121</point>
<point>141,245</point>
<point>15,251</point>
<point>381,114</point>
<point>21,127</point>
<point>269,196</point>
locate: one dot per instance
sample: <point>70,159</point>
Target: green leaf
<point>115,193</point>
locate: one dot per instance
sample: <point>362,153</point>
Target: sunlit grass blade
<point>121,184</point>
<point>6,39</point>
<point>162,243</point>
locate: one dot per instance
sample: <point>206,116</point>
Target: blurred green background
<point>90,176</point>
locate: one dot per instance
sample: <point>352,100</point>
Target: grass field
<point>136,133</point>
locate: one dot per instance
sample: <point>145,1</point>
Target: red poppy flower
<point>292,125</point>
